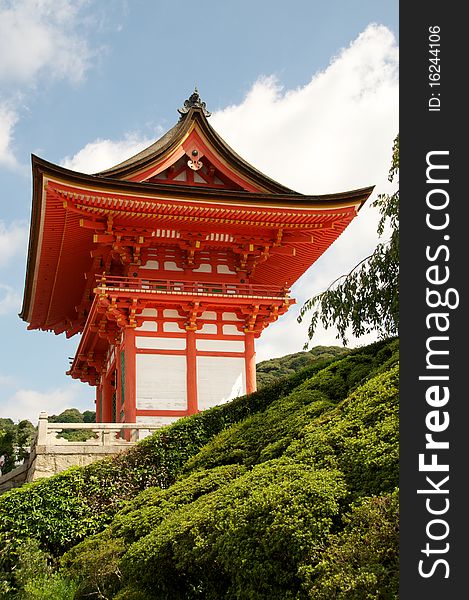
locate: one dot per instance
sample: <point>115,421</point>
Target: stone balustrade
<point>51,454</point>
<point>105,434</point>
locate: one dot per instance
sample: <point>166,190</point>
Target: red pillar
<point>250,357</point>
<point>191,365</point>
<point>130,404</point>
<point>99,403</point>
<point>106,413</point>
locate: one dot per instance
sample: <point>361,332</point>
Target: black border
<point>423,131</point>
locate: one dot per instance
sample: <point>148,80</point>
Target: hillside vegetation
<point>289,493</point>
<point>268,371</point>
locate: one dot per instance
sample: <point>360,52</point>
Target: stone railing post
<point>108,437</point>
<point>42,429</point>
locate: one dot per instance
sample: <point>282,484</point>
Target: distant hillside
<point>288,493</point>
<point>270,370</point>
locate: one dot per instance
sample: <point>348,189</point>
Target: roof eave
<point>36,208</point>
<point>43,167</point>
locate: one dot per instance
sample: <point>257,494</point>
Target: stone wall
<point>50,460</point>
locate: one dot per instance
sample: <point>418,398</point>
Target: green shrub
<point>267,434</point>
<point>261,436</point>
<point>96,561</point>
<point>128,594</point>
<point>53,587</point>
<point>148,509</point>
<point>269,371</point>
<point>36,578</point>
<point>245,540</point>
<point>360,437</point>
<point>15,440</point>
<point>361,562</point>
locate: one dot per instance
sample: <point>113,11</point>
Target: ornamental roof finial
<point>193,101</point>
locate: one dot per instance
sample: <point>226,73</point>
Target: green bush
<point>73,415</point>
<point>223,531</point>
<point>35,577</point>
<point>15,441</point>
<point>245,540</point>
<point>82,501</point>
<point>269,371</point>
<point>96,561</point>
<point>361,562</point>
<point>53,587</point>
<point>360,437</point>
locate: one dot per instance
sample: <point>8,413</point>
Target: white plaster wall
<point>231,330</point>
<point>204,268</point>
<point>157,343</point>
<point>148,312</point>
<point>228,316</point>
<point>219,379</point>
<point>172,327</point>
<point>220,345</point>
<point>170,265</point>
<point>111,356</point>
<point>208,328</point>
<point>225,269</point>
<point>161,382</point>
<point>209,315</point>
<point>157,420</point>
<point>147,326</point>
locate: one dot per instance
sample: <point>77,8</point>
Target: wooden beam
<point>96,225</point>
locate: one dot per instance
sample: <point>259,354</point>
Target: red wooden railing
<point>202,288</point>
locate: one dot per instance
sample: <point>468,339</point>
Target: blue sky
<point>306,91</point>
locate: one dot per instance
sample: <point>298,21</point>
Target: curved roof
<point>194,116</point>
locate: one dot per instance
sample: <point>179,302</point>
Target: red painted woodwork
<point>107,399</point>
<point>250,353</point>
<point>129,376</point>
<point>191,366</point>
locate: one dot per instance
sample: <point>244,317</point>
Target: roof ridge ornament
<point>193,101</point>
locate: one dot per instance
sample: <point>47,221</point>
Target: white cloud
<point>13,241</point>
<point>332,135</point>
<point>103,154</point>
<point>40,35</point>
<point>10,301</point>
<point>27,404</point>
<point>8,119</point>
<point>40,40</point>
